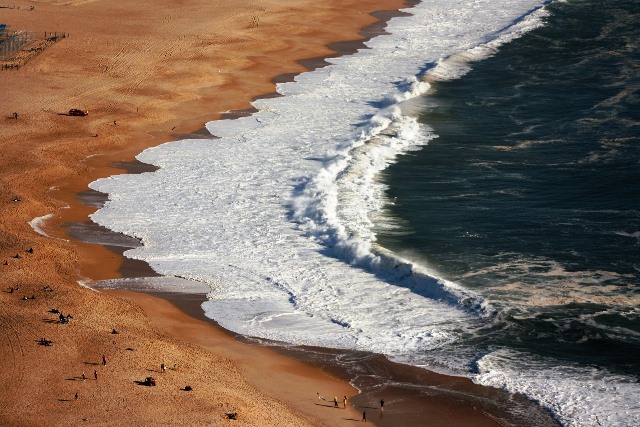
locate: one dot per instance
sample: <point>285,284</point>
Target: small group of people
<point>163,367</point>
<point>335,401</point>
<point>95,375</point>
<point>45,342</point>
<point>65,319</point>
<point>344,405</point>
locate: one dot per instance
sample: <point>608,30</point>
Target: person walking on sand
<point>84,377</point>
<point>344,402</point>
<point>364,416</point>
<point>104,360</point>
<point>95,375</point>
<point>335,401</point>
<point>382,404</point>
<point>162,368</point>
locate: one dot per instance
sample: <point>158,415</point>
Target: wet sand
<point>412,396</point>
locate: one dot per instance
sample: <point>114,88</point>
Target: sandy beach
<point>148,72</point>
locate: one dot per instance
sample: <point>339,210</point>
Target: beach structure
<point>19,46</point>
<point>12,41</point>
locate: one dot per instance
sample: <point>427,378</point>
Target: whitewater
<point>273,215</point>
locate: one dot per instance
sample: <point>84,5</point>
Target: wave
<point>216,212</point>
<point>334,207</point>
<point>576,395</point>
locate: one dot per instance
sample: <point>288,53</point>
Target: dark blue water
<point>530,195</point>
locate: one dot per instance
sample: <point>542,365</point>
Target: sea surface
<point>463,195</point>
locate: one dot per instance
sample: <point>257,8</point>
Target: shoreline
<point>450,393</point>
<point>411,394</point>
<point>417,393</point>
<point>171,313</point>
<point>101,262</point>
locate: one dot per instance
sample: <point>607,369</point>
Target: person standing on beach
<point>382,404</point>
<point>364,416</point>
<point>75,396</point>
<point>344,402</point>
<point>335,401</point>
<point>104,360</point>
<point>95,375</point>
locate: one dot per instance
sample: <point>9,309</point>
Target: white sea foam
<point>578,396</point>
<point>38,224</point>
<point>275,215</point>
<point>146,284</point>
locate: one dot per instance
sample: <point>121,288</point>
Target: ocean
<point>463,195</point>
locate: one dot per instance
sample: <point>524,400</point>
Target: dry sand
<point>148,71</point>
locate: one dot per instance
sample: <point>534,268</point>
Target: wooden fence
<point>18,47</point>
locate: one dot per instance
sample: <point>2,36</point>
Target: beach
<point>149,73</point>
